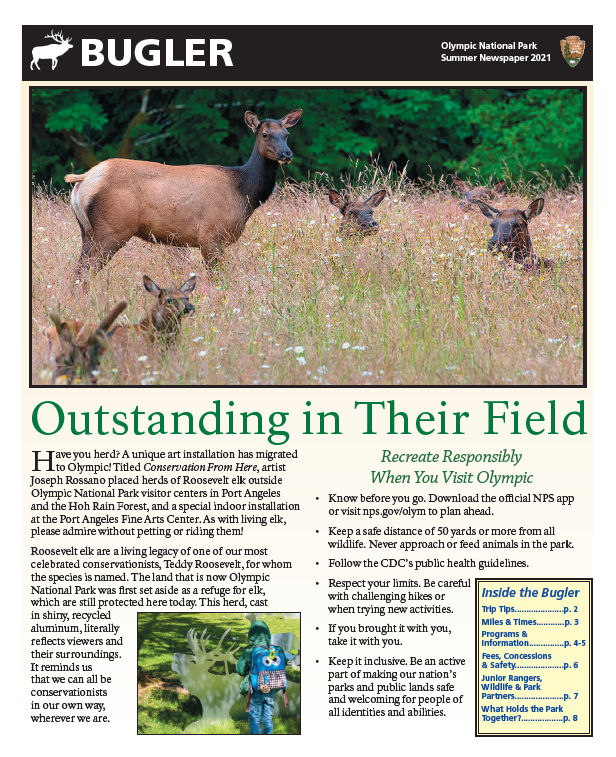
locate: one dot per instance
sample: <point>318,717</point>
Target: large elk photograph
<point>337,236</point>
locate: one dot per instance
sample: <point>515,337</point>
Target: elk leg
<point>212,253</point>
<point>96,252</point>
<point>94,257</point>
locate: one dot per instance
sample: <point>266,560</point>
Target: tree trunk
<point>81,149</point>
<point>128,141</point>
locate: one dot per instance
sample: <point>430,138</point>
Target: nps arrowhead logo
<point>50,52</point>
<point>572,49</point>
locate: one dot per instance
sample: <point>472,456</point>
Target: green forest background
<point>431,132</point>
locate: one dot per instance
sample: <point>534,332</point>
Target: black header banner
<point>201,54</point>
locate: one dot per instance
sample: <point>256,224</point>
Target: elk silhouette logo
<point>50,52</point>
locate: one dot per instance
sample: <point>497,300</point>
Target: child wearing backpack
<point>262,667</point>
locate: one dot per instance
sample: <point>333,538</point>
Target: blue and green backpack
<point>267,669</point>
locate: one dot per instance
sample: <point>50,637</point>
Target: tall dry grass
<point>295,302</point>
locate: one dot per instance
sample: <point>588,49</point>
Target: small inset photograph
<point>218,673</point>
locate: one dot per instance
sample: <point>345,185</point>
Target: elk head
<point>171,305</point>
<point>272,135</point>
<point>78,348</point>
<point>510,230</point>
<point>471,194</point>
<point>357,215</point>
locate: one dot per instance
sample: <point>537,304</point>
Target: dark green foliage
<point>431,132</point>
<point>539,129</point>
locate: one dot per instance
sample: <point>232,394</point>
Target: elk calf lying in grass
<point>76,347</point>
<point>510,232</point>
<point>163,321</point>
<point>357,215</point>
<point>478,193</point>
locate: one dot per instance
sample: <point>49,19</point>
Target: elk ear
<point>188,287</point>
<point>252,120</point>
<point>535,208</point>
<point>487,210</point>
<point>291,118</point>
<point>55,319</point>
<point>64,332</point>
<point>105,324</point>
<point>499,187</point>
<point>376,199</point>
<point>336,199</point>
<point>151,287</point>
<point>459,184</point>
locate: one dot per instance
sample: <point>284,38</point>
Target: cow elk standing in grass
<point>182,206</point>
<point>510,232</point>
<point>357,214</point>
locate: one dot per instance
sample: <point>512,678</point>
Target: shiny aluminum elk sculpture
<point>217,693</point>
